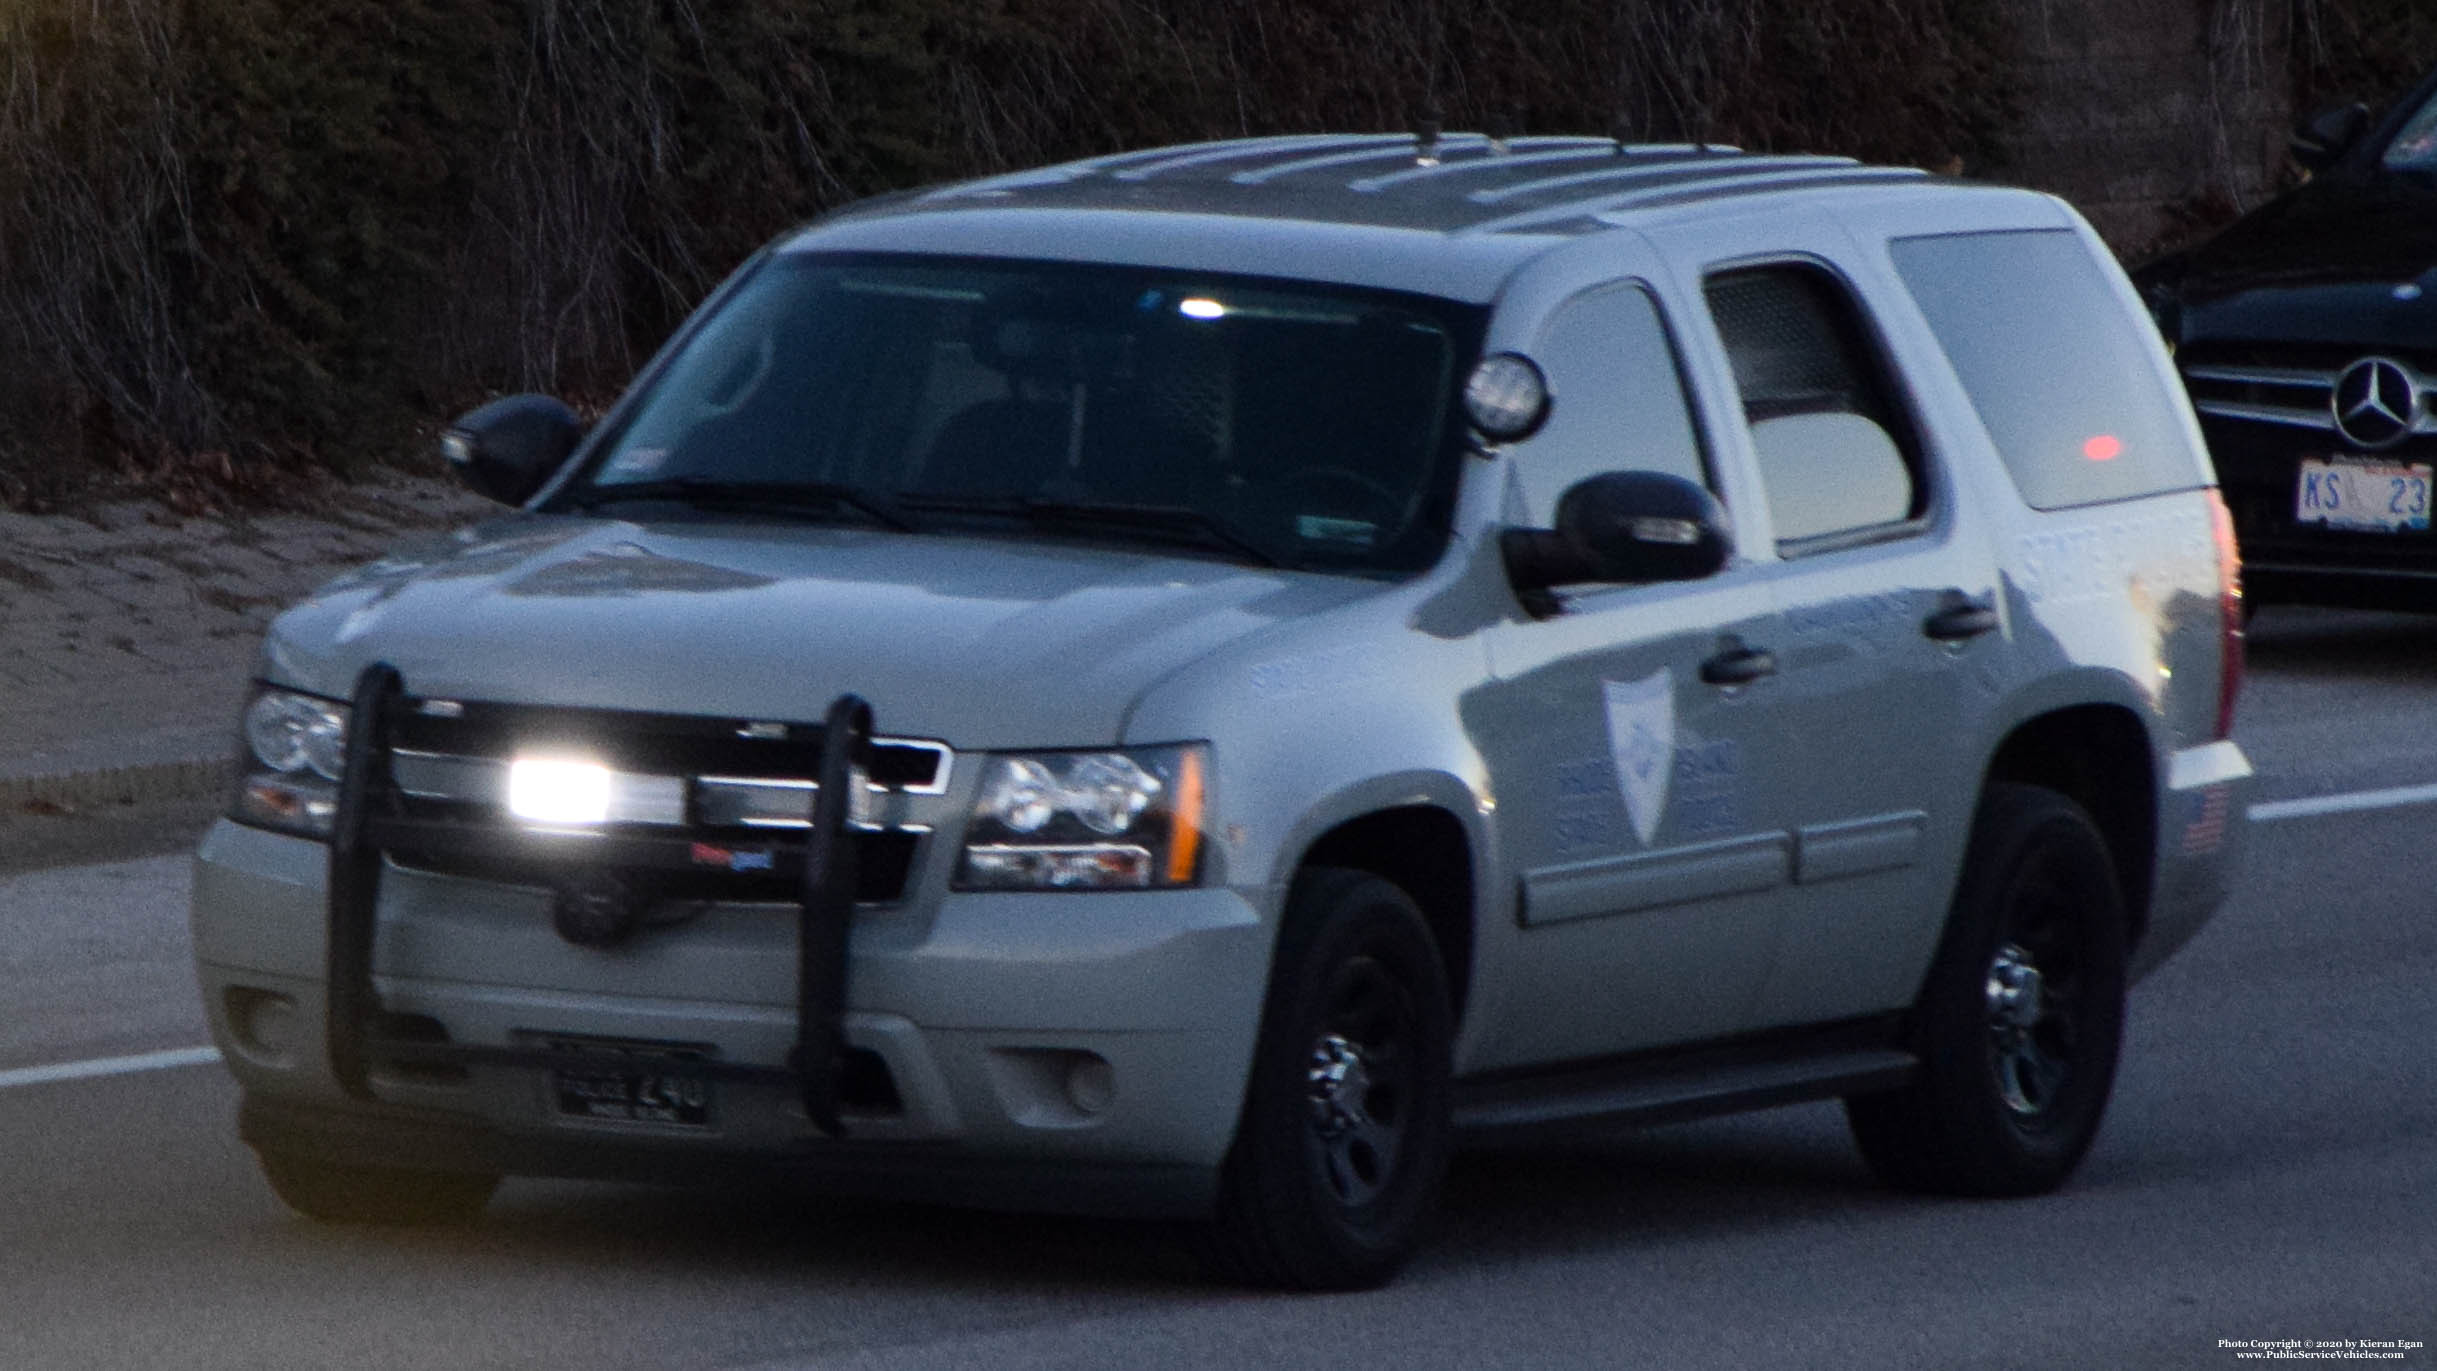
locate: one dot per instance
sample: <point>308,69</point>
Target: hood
<point>2323,264</point>
<point>981,643</point>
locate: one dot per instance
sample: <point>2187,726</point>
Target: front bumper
<point>2285,560</point>
<point>1094,1043</point>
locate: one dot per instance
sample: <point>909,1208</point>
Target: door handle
<point>1739,665</point>
<point>1961,622</point>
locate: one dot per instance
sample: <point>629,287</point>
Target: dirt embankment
<point>244,237</point>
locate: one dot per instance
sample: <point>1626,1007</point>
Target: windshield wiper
<point>1169,521</point>
<point>705,491</point>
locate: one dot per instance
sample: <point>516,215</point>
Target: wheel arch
<point>1424,850</point>
<point>2100,757</point>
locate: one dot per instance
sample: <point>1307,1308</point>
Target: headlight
<point>1114,820</point>
<point>296,748</point>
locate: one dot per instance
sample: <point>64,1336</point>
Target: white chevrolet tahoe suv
<point>1197,682</point>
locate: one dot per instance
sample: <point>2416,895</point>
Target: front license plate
<point>634,1083</point>
<point>2374,497</point>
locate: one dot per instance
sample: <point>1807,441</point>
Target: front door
<point>1634,756</point>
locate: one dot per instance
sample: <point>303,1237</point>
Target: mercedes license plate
<point>2369,496</point>
<point>634,1082</point>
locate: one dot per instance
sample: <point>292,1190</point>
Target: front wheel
<point>2021,1016</point>
<point>1344,1137</point>
<point>336,1193</point>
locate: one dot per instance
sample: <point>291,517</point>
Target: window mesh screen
<point>1782,333</point>
<point>1834,455</point>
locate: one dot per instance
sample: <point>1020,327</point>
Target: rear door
<point>1886,586</point>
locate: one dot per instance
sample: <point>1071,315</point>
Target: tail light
<point>2229,615</point>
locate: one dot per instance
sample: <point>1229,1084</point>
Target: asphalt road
<point>2268,1172</point>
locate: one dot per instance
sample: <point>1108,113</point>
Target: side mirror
<point>506,449</point>
<point>1621,526</point>
<point>2323,138</point>
<point>2160,285</point>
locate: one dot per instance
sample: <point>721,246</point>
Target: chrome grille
<point>724,786</point>
<point>2299,397</point>
<point>670,801</point>
<point>2292,389</point>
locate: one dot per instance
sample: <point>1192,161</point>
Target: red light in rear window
<point>2103,448</point>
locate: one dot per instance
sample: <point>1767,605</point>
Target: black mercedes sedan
<point>2307,335</point>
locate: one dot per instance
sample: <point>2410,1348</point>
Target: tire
<point>1344,1137</point>
<point>2021,1017</point>
<point>334,1193</point>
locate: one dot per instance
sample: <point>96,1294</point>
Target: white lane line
<point>2356,800</point>
<point>108,1066</point>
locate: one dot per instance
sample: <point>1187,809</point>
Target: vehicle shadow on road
<point>811,1238</point>
<point>1623,1189</point>
<point>1630,1187</point>
<point>1644,1186</point>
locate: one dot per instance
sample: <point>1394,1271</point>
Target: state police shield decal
<point>1641,734</point>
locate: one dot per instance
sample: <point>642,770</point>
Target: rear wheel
<point>2021,1017</point>
<point>1344,1137</point>
<point>335,1193</point>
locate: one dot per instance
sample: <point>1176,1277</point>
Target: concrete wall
<point>2152,115</point>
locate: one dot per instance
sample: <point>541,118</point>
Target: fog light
<point>264,1022</point>
<point>1052,1087</point>
<point>1091,1084</point>
<point>547,790</point>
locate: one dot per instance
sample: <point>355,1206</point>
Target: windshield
<point>1277,422</point>
<point>2414,146</point>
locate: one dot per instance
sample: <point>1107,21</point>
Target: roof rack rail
<point>1399,150</point>
<point>1204,155</point>
<point>1681,188</point>
<point>1466,183</point>
<point>1542,150</point>
<point>1743,163</point>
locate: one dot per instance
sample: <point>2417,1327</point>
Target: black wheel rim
<point>1359,1077</point>
<point>2036,987</point>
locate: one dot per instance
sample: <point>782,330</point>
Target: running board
<point>1644,1090</point>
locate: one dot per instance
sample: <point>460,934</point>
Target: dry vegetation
<point>2346,50</point>
<point>242,237</point>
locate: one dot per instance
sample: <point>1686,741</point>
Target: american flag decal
<point>2206,833</point>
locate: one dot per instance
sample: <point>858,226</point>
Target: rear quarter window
<point>2055,364</point>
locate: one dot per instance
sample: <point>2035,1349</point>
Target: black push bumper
<point>373,821</point>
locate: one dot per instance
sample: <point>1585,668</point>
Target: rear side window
<point>2054,363</point>
<point>1837,458</point>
